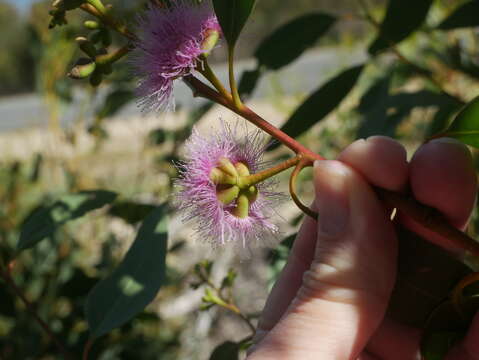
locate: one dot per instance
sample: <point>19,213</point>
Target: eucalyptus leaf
<point>459,58</point>
<point>403,17</point>
<point>248,82</point>
<point>426,276</point>
<point>135,283</point>
<point>45,220</point>
<point>290,40</point>
<point>36,168</point>
<point>8,303</point>
<point>445,327</point>
<point>443,117</point>
<point>464,16</point>
<point>383,112</point>
<point>232,16</point>
<point>322,102</point>
<point>226,351</point>
<point>438,345</point>
<point>130,211</point>
<point>465,126</point>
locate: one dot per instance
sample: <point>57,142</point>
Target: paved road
<point>301,77</point>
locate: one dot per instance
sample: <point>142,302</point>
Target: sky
<point>22,4</point>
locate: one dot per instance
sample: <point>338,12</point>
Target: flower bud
<point>228,195</point>
<point>211,39</point>
<point>83,68</point>
<point>242,207</point>
<point>67,4</point>
<point>91,24</point>
<point>86,46</point>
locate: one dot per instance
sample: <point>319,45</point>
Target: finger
<point>367,356</point>
<point>382,161</point>
<point>469,348</point>
<point>345,292</point>
<point>287,285</point>
<point>394,341</point>
<point>442,175</point>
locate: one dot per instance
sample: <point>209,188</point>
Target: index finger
<point>442,175</point>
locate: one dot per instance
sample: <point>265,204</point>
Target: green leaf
<point>443,117</point>
<point>464,16</point>
<point>292,39</point>
<point>458,58</point>
<point>403,17</point>
<point>131,212</point>
<point>232,16</point>
<point>438,345</point>
<point>445,327</point>
<point>158,136</point>
<point>45,220</point>
<point>383,113</point>
<point>285,45</point>
<point>36,168</point>
<point>465,126</point>
<point>78,285</point>
<point>322,102</point>
<point>426,276</point>
<point>8,303</point>
<point>136,281</point>
<point>226,351</point>
<point>248,82</point>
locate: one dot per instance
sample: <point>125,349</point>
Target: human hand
<point>331,297</point>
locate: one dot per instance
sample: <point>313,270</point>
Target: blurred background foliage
<point>408,92</point>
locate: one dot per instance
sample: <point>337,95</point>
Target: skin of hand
<point>330,299</point>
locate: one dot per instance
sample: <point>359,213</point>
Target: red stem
<point>201,89</point>
<point>422,214</point>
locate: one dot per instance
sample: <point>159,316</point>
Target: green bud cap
<point>82,69</point>
<point>228,195</point>
<point>242,169</point>
<point>226,166</point>
<point>218,176</point>
<point>210,41</point>
<point>91,24</point>
<point>242,207</point>
<point>67,4</point>
<point>251,193</point>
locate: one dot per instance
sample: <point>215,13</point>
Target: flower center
<point>231,187</point>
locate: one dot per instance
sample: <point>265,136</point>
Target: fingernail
<point>332,197</point>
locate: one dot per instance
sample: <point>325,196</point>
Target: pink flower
<point>216,208</point>
<point>171,39</point>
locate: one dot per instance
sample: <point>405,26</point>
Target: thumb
<point>344,294</point>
